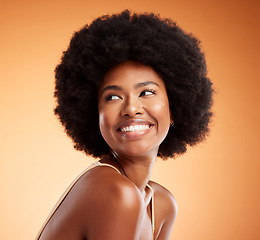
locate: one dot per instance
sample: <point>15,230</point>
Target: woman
<point>129,88</point>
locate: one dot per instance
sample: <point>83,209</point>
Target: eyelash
<point>109,96</point>
<point>148,90</point>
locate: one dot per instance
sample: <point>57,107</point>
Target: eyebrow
<point>142,84</point>
<point>111,87</point>
<point>118,88</point>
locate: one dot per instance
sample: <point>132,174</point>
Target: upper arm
<point>165,212</point>
<point>170,216</point>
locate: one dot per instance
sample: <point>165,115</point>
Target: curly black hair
<point>151,40</point>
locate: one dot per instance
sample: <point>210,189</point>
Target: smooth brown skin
<point>105,204</point>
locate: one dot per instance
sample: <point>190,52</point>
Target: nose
<point>132,107</point>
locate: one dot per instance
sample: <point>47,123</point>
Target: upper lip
<point>133,122</point>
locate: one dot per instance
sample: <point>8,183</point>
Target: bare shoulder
<point>165,210</point>
<point>163,195</point>
<point>103,185</point>
<point>97,207</point>
<point>115,202</point>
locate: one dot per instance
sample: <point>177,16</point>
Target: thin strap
<point>63,196</point>
<point>152,210</point>
<point>107,165</point>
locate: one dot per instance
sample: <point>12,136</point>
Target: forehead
<point>130,73</point>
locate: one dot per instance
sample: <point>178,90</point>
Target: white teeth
<point>134,128</point>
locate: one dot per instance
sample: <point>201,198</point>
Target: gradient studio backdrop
<point>215,184</point>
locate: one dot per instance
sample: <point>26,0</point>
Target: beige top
<point>95,164</point>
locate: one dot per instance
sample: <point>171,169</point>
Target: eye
<point>147,92</point>
<point>112,97</point>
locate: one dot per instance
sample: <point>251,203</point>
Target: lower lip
<point>135,134</point>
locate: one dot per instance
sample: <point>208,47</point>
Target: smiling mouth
<point>135,128</point>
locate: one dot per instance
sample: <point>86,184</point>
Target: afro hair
<point>151,40</point>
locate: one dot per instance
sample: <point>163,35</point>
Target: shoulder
<point>111,199</point>
<point>165,210</point>
<point>100,188</point>
<point>164,197</point>
<point>104,182</point>
<point>101,205</point>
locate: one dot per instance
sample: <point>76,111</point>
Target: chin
<point>137,151</point>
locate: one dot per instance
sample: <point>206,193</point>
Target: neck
<point>137,169</point>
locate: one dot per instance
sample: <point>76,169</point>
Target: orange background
<point>215,184</point>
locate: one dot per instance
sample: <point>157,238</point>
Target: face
<point>134,115</point>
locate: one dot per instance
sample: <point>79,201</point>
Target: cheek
<point>103,125</point>
<point>104,120</point>
<point>106,123</point>
<point>159,107</point>
<point>162,111</point>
